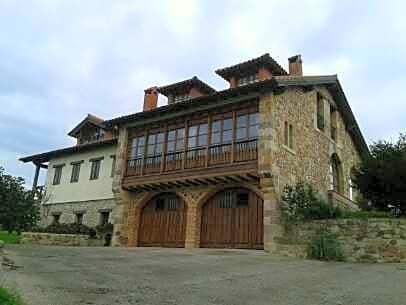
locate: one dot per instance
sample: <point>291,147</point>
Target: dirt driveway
<point>64,275</point>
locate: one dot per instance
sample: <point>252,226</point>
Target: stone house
<point>207,169</point>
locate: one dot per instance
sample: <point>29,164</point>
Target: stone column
<point>191,226</point>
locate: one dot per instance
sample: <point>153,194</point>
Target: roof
<point>194,103</point>
<point>45,157</point>
<point>90,118</point>
<point>252,65</point>
<point>186,85</point>
<point>252,90</point>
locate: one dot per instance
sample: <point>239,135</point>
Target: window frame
<point>75,173</point>
<point>95,168</point>
<point>320,115</point>
<point>57,174</point>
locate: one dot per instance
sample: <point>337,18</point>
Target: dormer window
<point>181,97</point>
<point>249,79</point>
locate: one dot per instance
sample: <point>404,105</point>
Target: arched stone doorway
<point>233,218</point>
<point>163,222</point>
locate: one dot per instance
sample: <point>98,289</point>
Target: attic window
<point>181,97</point>
<point>249,79</point>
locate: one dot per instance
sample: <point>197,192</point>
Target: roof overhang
<point>90,119</point>
<point>45,157</point>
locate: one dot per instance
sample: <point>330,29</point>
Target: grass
<point>9,238</point>
<point>7,298</point>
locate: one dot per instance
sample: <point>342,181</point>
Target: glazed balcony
<point>221,163</point>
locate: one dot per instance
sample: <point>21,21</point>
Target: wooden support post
<point>35,183</point>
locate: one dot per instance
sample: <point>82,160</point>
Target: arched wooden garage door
<point>163,222</point>
<point>233,218</point>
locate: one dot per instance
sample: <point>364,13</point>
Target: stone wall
<point>362,240</point>
<point>91,210</point>
<point>59,239</point>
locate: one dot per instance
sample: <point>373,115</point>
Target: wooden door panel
<point>163,226</point>
<point>230,224</point>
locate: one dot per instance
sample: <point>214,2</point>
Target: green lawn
<point>7,298</point>
<point>8,238</point>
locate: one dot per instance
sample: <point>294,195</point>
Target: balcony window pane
<point>192,142</point>
<point>203,129</point>
<point>216,126</point>
<point>181,133</point>
<point>254,118</point>
<point>150,150</point>
<point>215,138</point>
<point>192,131</point>
<point>227,136</point>
<point>160,137</point>
<point>203,140</point>
<point>241,133</point>
<point>171,135</point>
<point>228,124</point>
<point>253,132</point>
<point>158,149</point>
<point>151,139</point>
<point>171,147</point>
<point>242,121</point>
<point>141,140</point>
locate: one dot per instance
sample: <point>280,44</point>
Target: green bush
<point>68,228</point>
<point>10,238</point>
<point>367,214</point>
<point>302,202</point>
<point>6,298</point>
<point>325,246</point>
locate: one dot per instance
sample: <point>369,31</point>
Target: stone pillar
<point>192,225</point>
<point>273,228</point>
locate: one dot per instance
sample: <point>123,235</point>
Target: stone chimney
<point>295,65</point>
<point>150,98</point>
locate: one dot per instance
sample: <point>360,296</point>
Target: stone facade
<point>90,209</point>
<point>47,239</point>
<point>370,240</point>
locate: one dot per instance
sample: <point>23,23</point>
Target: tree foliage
<point>18,209</point>
<point>381,177</point>
<point>302,202</point>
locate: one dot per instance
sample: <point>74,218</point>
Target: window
<point>56,218</point>
<point>335,174</point>
<point>155,144</point>
<point>57,174</point>
<point>104,217</point>
<point>175,140</point>
<point>197,135</point>
<point>138,147</point>
<point>248,79</point>
<point>333,123</point>
<point>288,135</point>
<point>242,199</point>
<point>320,112</point>
<point>95,168</point>
<point>226,201</point>
<point>222,130</point>
<point>181,97</point>
<point>113,165</point>
<point>75,171</point>
<point>79,218</point>
<point>173,203</point>
<point>247,126</point>
<point>160,204</point>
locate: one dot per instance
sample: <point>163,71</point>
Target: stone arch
<point>336,174</point>
<point>207,196</point>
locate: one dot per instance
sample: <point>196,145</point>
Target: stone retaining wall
<point>362,240</point>
<point>49,239</point>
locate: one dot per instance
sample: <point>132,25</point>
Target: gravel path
<point>107,276</point>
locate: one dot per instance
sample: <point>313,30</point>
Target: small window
<point>79,218</point>
<point>173,204</point>
<point>104,217</point>
<point>242,200</point>
<point>57,174</point>
<point>160,204</point>
<point>226,201</point>
<point>333,123</point>
<point>320,112</point>
<point>245,80</point>
<point>56,218</point>
<point>288,135</point>
<point>113,165</point>
<point>75,172</point>
<point>95,169</point>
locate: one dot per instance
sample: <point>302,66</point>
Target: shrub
<point>367,214</point>
<point>302,202</point>
<point>70,228</point>
<point>325,246</point>
<point>7,298</point>
<point>103,229</point>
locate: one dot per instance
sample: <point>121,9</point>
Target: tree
<point>18,208</point>
<point>381,177</point>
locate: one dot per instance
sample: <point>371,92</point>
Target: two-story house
<point>207,169</point>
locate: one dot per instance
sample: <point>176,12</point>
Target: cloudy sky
<point>60,60</point>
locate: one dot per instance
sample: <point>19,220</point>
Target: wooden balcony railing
<point>201,157</point>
